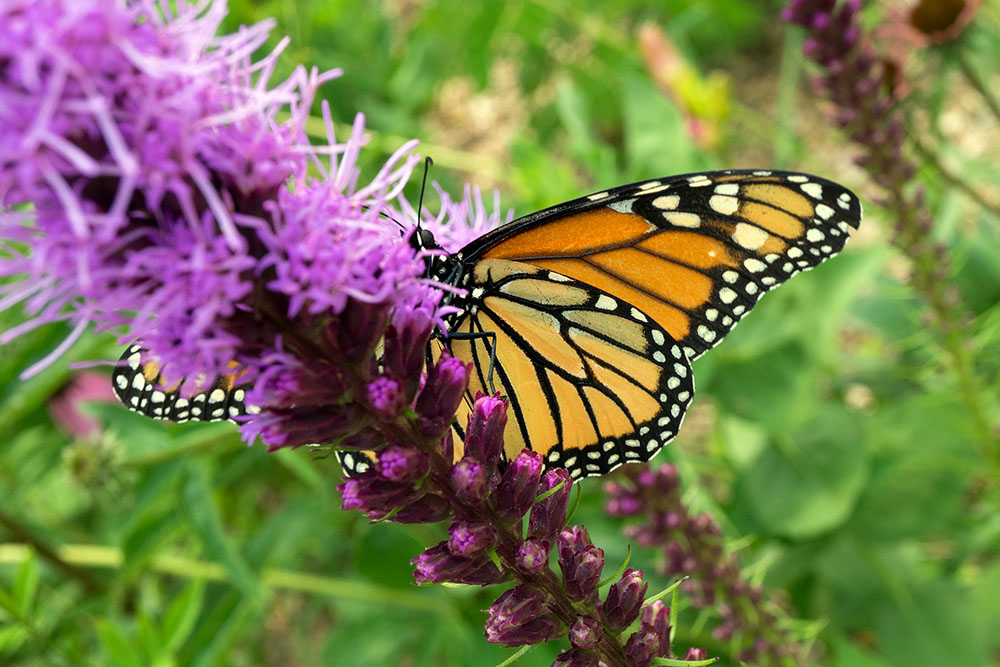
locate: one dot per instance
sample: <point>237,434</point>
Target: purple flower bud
<point>656,619</point>
<point>533,555</point>
<point>518,618</point>
<point>358,329</point>
<point>370,493</point>
<point>430,508</point>
<point>696,654</point>
<point>581,563</point>
<point>549,514</point>
<point>386,397</point>
<point>585,632</point>
<point>518,486</point>
<point>470,540</point>
<point>302,426</point>
<point>441,394</point>
<point>641,648</point>
<point>624,600</point>
<point>468,480</point>
<point>484,434</point>
<point>402,464</point>
<point>577,658</point>
<point>406,346</point>
<point>437,564</point>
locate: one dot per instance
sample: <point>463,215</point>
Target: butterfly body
<point>586,315</point>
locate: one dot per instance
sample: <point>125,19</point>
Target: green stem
<point>81,556</point>
<point>977,82</point>
<point>930,157</point>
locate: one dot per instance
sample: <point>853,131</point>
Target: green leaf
<point>118,646</point>
<point>809,483</point>
<point>180,616</point>
<point>26,585</point>
<point>200,508</point>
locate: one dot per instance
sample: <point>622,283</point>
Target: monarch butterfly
<point>587,315</point>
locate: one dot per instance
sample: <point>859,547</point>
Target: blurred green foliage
<point>829,437</point>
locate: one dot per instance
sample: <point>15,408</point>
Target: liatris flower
<point>863,105</point>
<point>692,546</point>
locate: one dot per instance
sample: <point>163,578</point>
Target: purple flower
<point>585,632</point>
<point>441,394</point>
<point>581,563</point>
<point>624,600</point>
<point>549,514</point>
<point>468,480</point>
<point>368,492</point>
<point>439,564</point>
<point>518,617</point>
<point>484,435</point>
<point>470,540</point>
<point>578,658</point>
<point>533,555</point>
<point>518,485</point>
<point>401,464</point>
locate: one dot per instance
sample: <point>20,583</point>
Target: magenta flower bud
<point>581,563</point>
<point>429,508</point>
<point>468,480</point>
<point>577,658</point>
<point>370,493</point>
<point>696,654</point>
<point>441,394</point>
<point>386,397</point>
<point>518,486</point>
<point>484,434</point>
<point>641,648</point>
<point>470,540</point>
<point>437,564</point>
<point>406,346</point>
<point>401,464</point>
<point>358,329</point>
<point>533,555</point>
<point>656,619</point>
<point>518,618</point>
<point>303,426</point>
<point>549,514</point>
<point>585,632</point>
<point>624,600</point>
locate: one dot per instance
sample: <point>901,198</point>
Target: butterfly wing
<point>593,382</point>
<point>139,385</point>
<point>693,252</point>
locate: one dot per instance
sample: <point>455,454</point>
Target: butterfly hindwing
<point>593,382</point>
<point>693,252</point>
<point>138,384</point>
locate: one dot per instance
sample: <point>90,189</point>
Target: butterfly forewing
<point>693,252</point>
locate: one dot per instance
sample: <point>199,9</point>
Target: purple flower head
<point>533,555</point>
<point>459,222</point>
<point>624,600</point>
<point>641,648</point>
<point>470,540</point>
<point>549,514</point>
<point>401,464</point>
<point>438,564</point>
<point>585,632</point>
<point>581,563</point>
<point>656,619</point>
<point>518,485</point>
<point>370,493</point>
<point>406,345</point>
<point>386,397</point>
<point>441,394</point>
<point>519,617</point>
<point>468,480</point>
<point>484,435</point>
<point>695,654</point>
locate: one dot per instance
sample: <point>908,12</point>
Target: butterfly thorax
<point>443,267</point>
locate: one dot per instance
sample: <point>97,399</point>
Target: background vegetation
<point>843,451</point>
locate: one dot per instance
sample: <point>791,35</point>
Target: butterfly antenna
<point>423,186</point>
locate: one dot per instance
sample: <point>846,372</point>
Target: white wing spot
<point>711,314</point>
<point>723,204</point>
<point>739,310</point>
<point>798,178</point>
<point>672,383</point>
<point>658,356</point>
<point>133,361</point>
<point>754,265</point>
<point>727,189</point>
<point>707,334</point>
<point>555,277</point>
<point>681,370</point>
<point>683,396</point>
<point>794,253</point>
<point>650,185</point>
<point>157,397</point>
<point>667,202</point>
<point>814,236</point>
<point>814,190</point>
<point>675,352</point>
<point>121,381</point>
<point>699,181</point>
<point>761,173</point>
<point>730,277</point>
<point>138,382</point>
<point>605,302</point>
<point>637,315</point>
<point>657,336</point>
<point>623,206</point>
<point>751,288</point>
<point>683,219</point>
<point>597,195</point>
<point>727,295</point>
<point>749,236</point>
<point>824,211</point>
